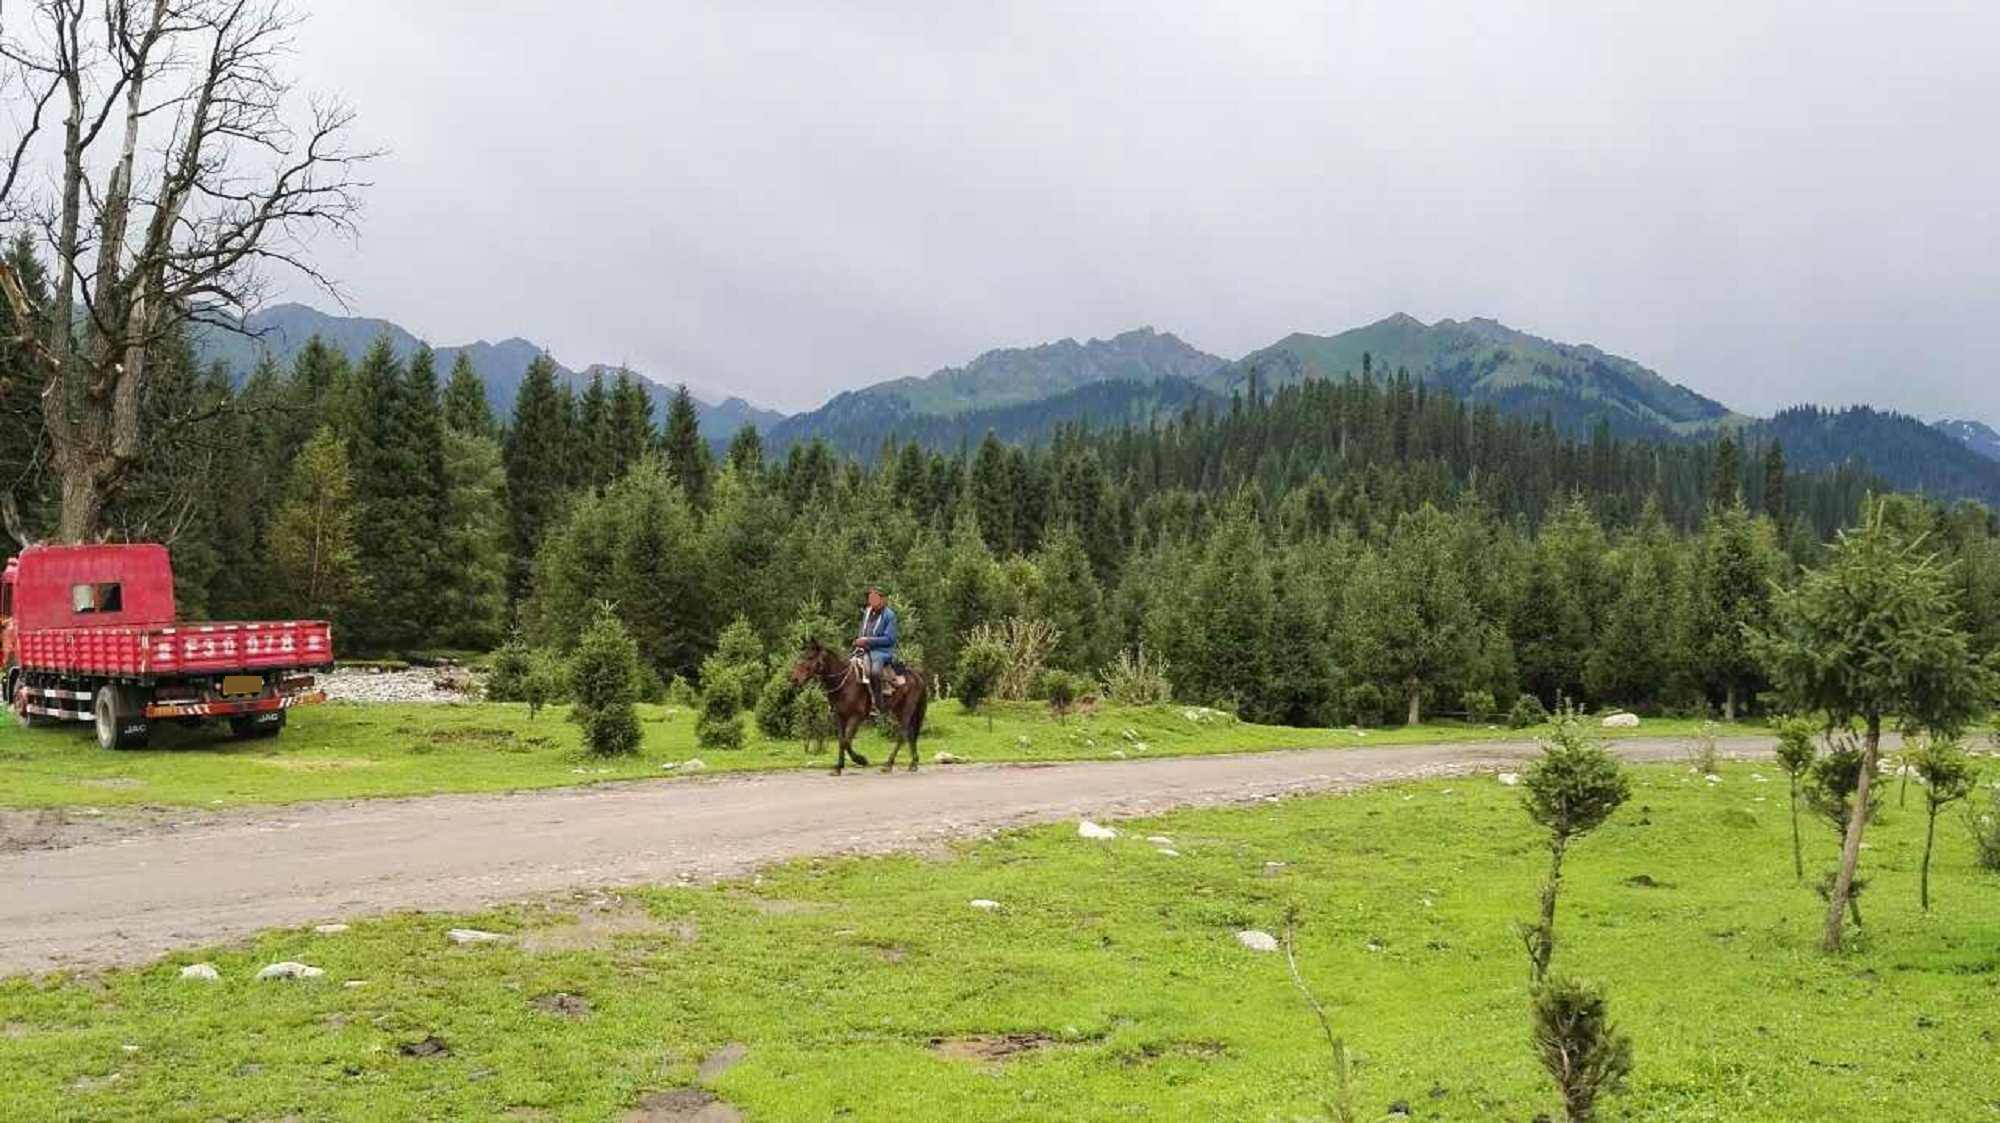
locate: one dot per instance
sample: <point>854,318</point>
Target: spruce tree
<point>312,533</point>
<point>472,606</point>
<point>596,458</point>
<point>1731,594</point>
<point>746,451</point>
<point>632,435</point>
<point>466,409</point>
<point>536,474</point>
<point>1774,483</point>
<point>603,676</point>
<point>1071,600</point>
<point>686,451</point>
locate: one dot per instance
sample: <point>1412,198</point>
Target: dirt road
<point>98,894</point>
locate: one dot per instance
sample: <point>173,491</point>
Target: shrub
<point>1583,1052</point>
<point>1984,823</point>
<point>1796,753</point>
<point>740,654</point>
<point>681,694</point>
<point>1137,679</point>
<point>1059,688</point>
<point>1025,644</point>
<point>1528,712</point>
<point>1571,789</point>
<point>719,725</point>
<point>602,675</point>
<point>652,690</point>
<point>981,663</point>
<point>547,680</point>
<point>774,715</point>
<point>812,719</point>
<point>508,680</point>
<point>1949,775</point>
<point>1364,704</point>
<point>1704,753</point>
<point>1478,705</point>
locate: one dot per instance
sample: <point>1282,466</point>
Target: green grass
<point>838,975</point>
<point>352,751</point>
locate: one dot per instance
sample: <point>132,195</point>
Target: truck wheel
<point>257,726</point>
<point>120,720</point>
<point>16,682</point>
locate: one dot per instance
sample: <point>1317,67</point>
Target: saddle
<point>896,674</point>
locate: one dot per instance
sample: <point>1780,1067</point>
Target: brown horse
<point>848,697</point>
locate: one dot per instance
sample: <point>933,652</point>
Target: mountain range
<point>1023,394</point>
<point>281,330</point>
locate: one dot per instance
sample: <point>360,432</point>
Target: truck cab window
<point>90,599</point>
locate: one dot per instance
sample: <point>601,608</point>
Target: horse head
<point>811,661</point>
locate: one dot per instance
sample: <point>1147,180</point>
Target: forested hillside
<point>1332,551</point>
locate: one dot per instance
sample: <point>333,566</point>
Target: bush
<point>602,675</point>
<point>812,719</point>
<point>719,725</point>
<point>511,665</point>
<point>1061,690</point>
<point>1479,706</point>
<point>1364,704</point>
<point>652,689</point>
<point>980,664</point>
<point>1984,823</point>
<point>1528,712</point>
<point>681,695</point>
<point>547,680</point>
<point>1138,680</point>
<point>774,706</point>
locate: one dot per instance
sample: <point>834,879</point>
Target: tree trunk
<point>1850,849</point>
<point>82,506</point>
<point>1416,703</point>
<point>1542,941</point>
<point>1924,874</point>
<point>1729,704</point>
<point>1798,848</point>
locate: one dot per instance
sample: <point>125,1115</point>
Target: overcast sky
<point>1769,202</point>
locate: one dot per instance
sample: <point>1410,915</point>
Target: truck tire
<point>14,683</point>
<point>254,727</point>
<point>120,719</point>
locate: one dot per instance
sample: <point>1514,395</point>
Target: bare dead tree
<point>183,170</point>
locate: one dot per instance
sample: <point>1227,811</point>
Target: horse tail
<point>915,724</point>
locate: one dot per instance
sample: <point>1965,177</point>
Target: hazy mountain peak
<point>1975,435</point>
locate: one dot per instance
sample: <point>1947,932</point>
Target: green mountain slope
<point>1483,360</point>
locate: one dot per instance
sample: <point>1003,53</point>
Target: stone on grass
<point>1257,941</point>
<point>985,905</point>
<point>947,758</point>
<point>290,970</point>
<point>1622,721</point>
<point>1088,829</point>
<point>329,929</point>
<point>1159,840</point>
<point>1510,778</point>
<point>1169,852</point>
<point>201,973</point>
<point>472,936</point>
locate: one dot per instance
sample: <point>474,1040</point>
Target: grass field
<point>346,751</point>
<point>1107,985</point>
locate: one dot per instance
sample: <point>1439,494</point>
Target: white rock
<point>1760,778</point>
<point>1621,721</point>
<point>355,984</point>
<point>985,905</point>
<point>1170,852</point>
<point>290,970</point>
<point>329,929</point>
<point>1159,840</point>
<point>1713,778</point>
<point>1257,941</point>
<point>472,936</point>
<point>1088,829</point>
<point>201,972</point>
<point>947,758</point>
<point>1510,778</point>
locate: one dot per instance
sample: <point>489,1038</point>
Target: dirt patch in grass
<point>721,1061</point>
<point>776,906</point>
<point>113,783</point>
<point>682,1105</point>
<point>990,1048</point>
<point>564,1005</point>
<point>598,928</point>
<point>1197,1050</point>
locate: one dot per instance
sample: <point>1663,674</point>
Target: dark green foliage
<point>719,724</point>
<point>537,452</point>
<point>1364,705</point>
<point>776,705</point>
<point>466,410</point>
<point>1478,706</point>
<point>512,665</point>
<point>1582,1051</point>
<point>1833,781</point>
<point>604,675</point>
<point>1983,823</point>
<point>1527,712</point>
<point>687,455</point>
<point>1060,689</point>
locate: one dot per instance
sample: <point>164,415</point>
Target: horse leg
<point>913,749</point>
<point>853,728</point>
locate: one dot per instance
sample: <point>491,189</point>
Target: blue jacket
<point>878,634</point>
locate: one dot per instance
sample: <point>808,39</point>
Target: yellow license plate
<point>237,686</point>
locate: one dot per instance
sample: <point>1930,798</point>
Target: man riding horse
<point>875,645</point>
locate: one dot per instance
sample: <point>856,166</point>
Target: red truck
<point>88,633</point>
